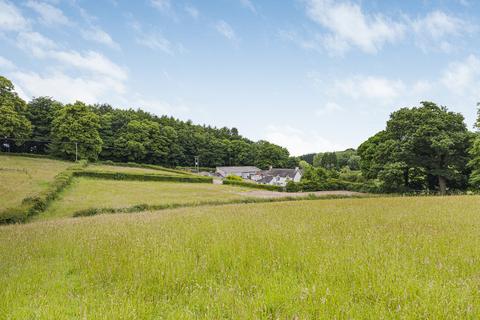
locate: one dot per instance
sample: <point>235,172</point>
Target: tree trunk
<point>442,183</point>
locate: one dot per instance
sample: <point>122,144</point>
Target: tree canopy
<point>421,146</point>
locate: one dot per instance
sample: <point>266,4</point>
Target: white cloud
<point>162,5</point>
<point>350,27</point>
<point>307,44</point>
<point>370,87</point>
<point>298,141</point>
<point>249,5</point>
<point>96,34</point>
<point>192,11</point>
<point>49,15</point>
<point>463,77</point>
<point>68,88</point>
<point>155,41</point>
<point>226,30</point>
<point>11,18</point>
<point>328,108</point>
<point>41,47</point>
<point>436,30</point>
<point>6,64</point>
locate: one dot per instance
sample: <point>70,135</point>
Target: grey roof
<point>265,179</point>
<point>238,169</point>
<point>280,173</point>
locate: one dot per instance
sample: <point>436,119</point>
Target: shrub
<point>253,185</point>
<point>233,177</point>
<point>292,187</point>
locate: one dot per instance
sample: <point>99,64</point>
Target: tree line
<point>94,132</point>
<point>424,148</point>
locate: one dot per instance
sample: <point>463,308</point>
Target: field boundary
<point>143,166</point>
<point>33,205</point>
<point>107,175</point>
<point>147,207</point>
<point>253,185</point>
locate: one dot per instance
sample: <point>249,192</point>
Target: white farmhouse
<point>278,177</point>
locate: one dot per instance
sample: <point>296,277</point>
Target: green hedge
<point>144,166</point>
<point>253,185</point>
<point>333,184</point>
<point>140,177</point>
<point>147,207</point>
<point>28,155</point>
<point>34,205</point>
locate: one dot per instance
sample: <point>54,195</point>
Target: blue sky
<point>311,75</point>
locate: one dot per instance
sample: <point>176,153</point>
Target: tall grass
<point>400,258</point>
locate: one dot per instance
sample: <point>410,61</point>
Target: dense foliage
<point>103,132</point>
<point>421,148</point>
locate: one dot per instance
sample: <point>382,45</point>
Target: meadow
<point>400,258</point>
<point>122,169</point>
<point>86,193</point>
<point>21,177</point>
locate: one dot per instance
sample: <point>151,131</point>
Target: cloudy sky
<point>311,75</point>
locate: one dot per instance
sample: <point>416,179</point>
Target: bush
<point>233,177</point>
<point>253,185</point>
<point>292,187</point>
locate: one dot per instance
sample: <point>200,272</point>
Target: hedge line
<point>140,177</point>
<point>28,155</point>
<point>253,185</point>
<point>144,166</point>
<point>336,184</point>
<point>147,207</point>
<point>34,205</point>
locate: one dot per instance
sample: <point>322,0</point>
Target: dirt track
<point>273,194</point>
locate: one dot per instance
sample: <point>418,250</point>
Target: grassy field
<point>100,167</point>
<point>21,177</point>
<point>404,258</point>
<point>92,193</point>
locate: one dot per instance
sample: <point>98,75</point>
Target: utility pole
<point>197,163</point>
<point>76,151</point>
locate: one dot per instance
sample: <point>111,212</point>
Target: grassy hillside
<point>22,177</point>
<point>352,258</point>
<point>92,193</point>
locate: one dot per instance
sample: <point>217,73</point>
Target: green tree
<point>428,138</point>
<point>474,163</point>
<point>13,123</point>
<point>268,154</point>
<point>41,112</point>
<point>76,124</point>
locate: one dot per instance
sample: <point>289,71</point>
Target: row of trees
<point>421,148</point>
<point>46,126</point>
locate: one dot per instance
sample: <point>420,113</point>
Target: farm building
<point>245,172</point>
<point>278,177</point>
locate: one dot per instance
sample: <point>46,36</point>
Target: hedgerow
<point>144,166</point>
<point>36,204</point>
<point>253,185</point>
<point>141,177</point>
<point>147,207</point>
